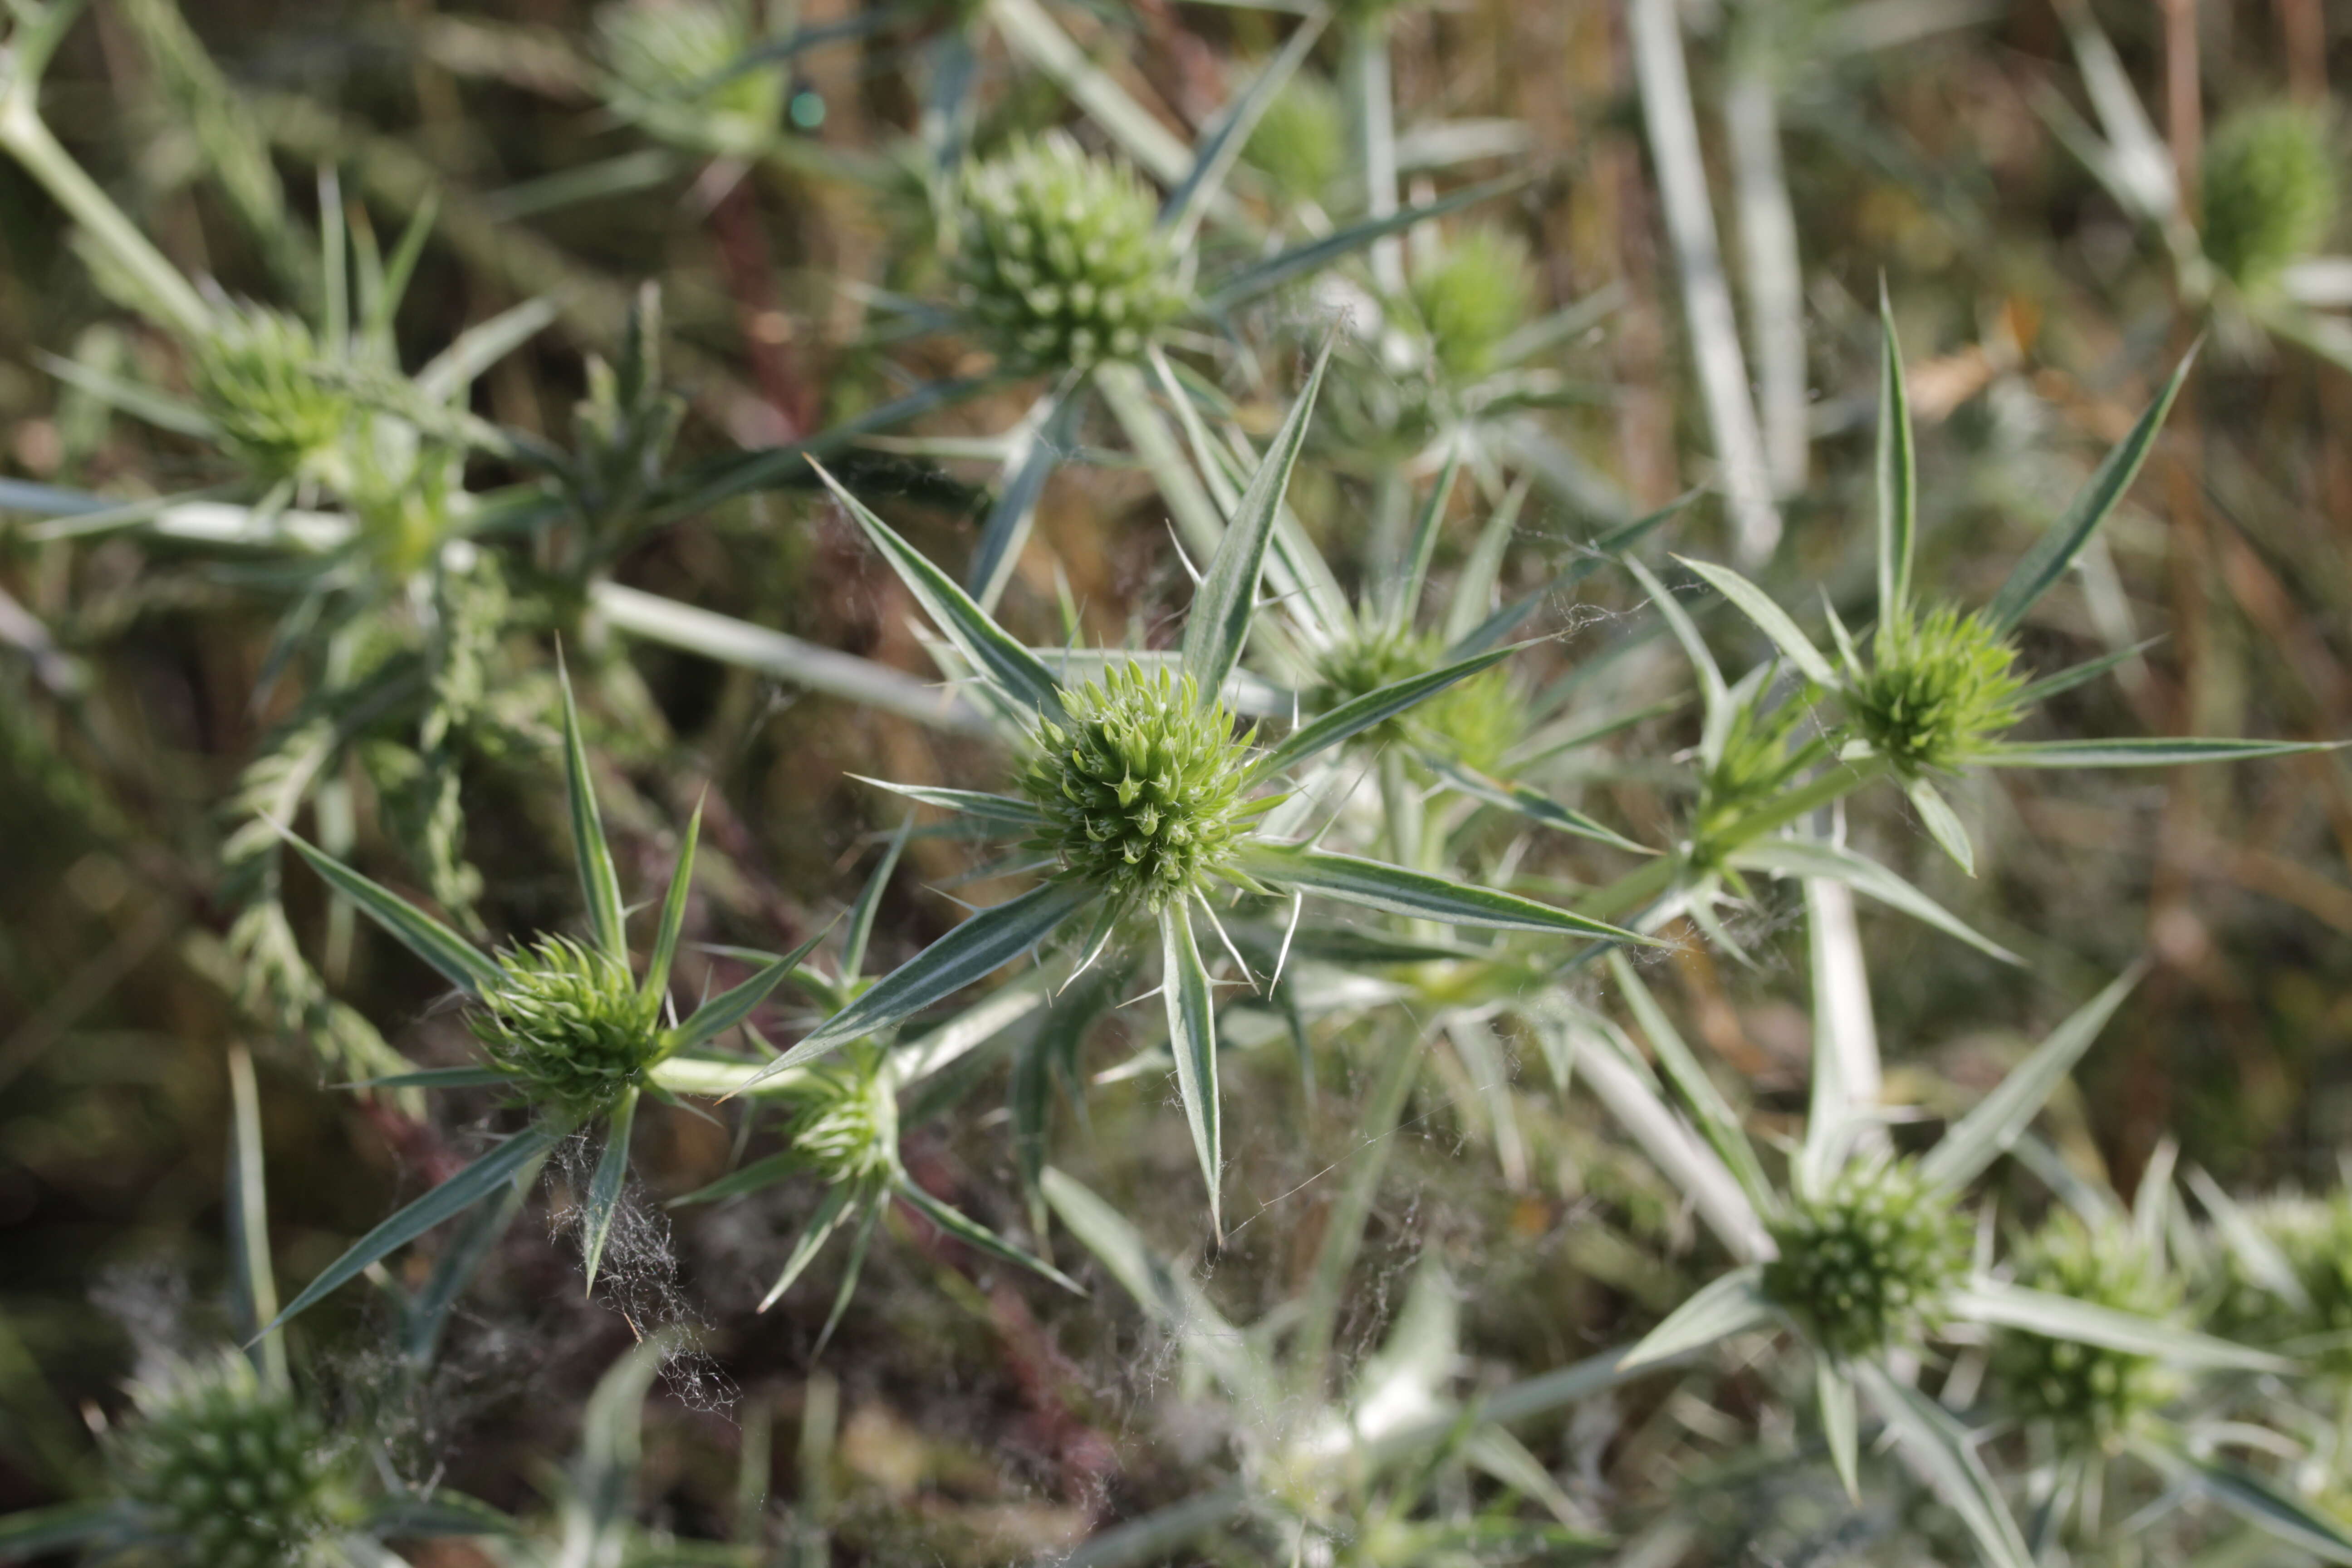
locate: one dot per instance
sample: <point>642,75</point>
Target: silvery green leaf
<point>423,935</point>
<point>2135,752</point>
<point>1037,444</point>
<point>465,1251</point>
<point>1942,823</point>
<point>449,372</point>
<point>2081,674</point>
<point>1033,34</point>
<point>997,655</point>
<point>36,1532</point>
<point>604,1188</point>
<point>444,1515</point>
<point>973,951</point>
<point>2056,1317</point>
<point>1939,1449</point>
<point>869,901</point>
<point>1845,1066</point>
<point>980,1239</point>
<point>461,1192</point>
<point>1226,600</point>
<point>1401,592</point>
<point>1314,254</point>
<point>1222,142</point>
<point>1193,1038</point>
<point>157,408</point>
<point>1714,697</point>
<point>1478,636</point>
<point>2302,1525</point>
<point>1733,1304</point>
<point>1417,895</point>
<point>436,1077</point>
<point>2255,1252</point>
<point>599,881</point>
<point>1898,472</point>
<point>703,485</point>
<point>1770,619</point>
<point>1814,858</point>
<point>673,911</point>
<point>253,1287</point>
<point>1358,714</point>
<point>866,1220</point>
<point>1718,1123</point>
<point>731,1007</point>
<point>1978,1138</point>
<point>1010,810</point>
<point>1833,1392</point>
<point>831,1210</point>
<point>1474,585</point>
<point>1529,802</point>
<point>2056,550</point>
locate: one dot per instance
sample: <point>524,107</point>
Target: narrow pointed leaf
<point>1358,714</point>
<point>1529,802</point>
<point>2081,674</point>
<point>1222,145</point>
<point>1011,810</point>
<point>1833,1390</point>
<point>1192,1037</point>
<point>461,1192</point>
<point>2137,752</point>
<point>673,910</point>
<point>973,951</point>
<point>1600,552</point>
<point>2256,1253</point>
<point>427,938</point>
<point>600,882</point>
<point>1718,1123</point>
<point>831,1210</point>
<point>1942,823</point>
<point>2259,1503</point>
<point>2056,550</point>
<point>1714,697</point>
<point>869,902</point>
<point>1171,1297</point>
<point>2056,1317</point>
<point>1938,1449</point>
<point>36,1532</point>
<point>1897,474</point>
<point>436,1077</point>
<point>1733,1304</point>
<point>1813,858</point>
<point>1314,254</point>
<point>731,1007</point>
<point>998,657</point>
<point>1037,450</point>
<point>1402,592</point>
<point>865,1223</point>
<point>1417,895</point>
<point>604,1189</point>
<point>1227,597</point>
<point>1473,586</point>
<point>980,1239</point>
<point>254,1285</point>
<point>1770,619</point>
<point>461,1256</point>
<point>1978,1138</point>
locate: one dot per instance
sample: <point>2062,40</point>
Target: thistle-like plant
<point>2271,190</point>
<point>679,68</point>
<point>565,1026</point>
<point>226,1460</point>
<point>1863,1256</point>
<point>1156,803</point>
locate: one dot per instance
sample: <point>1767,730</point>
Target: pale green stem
<point>1371,103</point>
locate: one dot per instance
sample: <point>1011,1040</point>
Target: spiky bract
<point>569,1024</point>
<point>255,375</point>
<point>847,1123</point>
<point>1060,258</point>
<point>1477,291</point>
<point>2090,1394</point>
<point>1143,790</point>
<point>1939,685</point>
<point>232,1472</point>
<point>1866,1264</point>
<point>2314,1236</point>
<point>669,62</point>
<point>2271,187</point>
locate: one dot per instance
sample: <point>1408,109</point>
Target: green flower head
<point>2271,190</point>
<point>1474,720</point>
<point>1938,685</point>
<point>1301,142</point>
<point>2089,1392</point>
<point>568,1023</point>
<point>1865,1265</point>
<point>1060,258</point>
<point>1143,790</point>
<point>847,1124</point>
<point>234,1473</point>
<point>1478,291</point>
<point>667,59</point>
<point>255,375</point>
<point>2314,1236</point>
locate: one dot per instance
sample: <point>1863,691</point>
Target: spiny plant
<point>679,68</point>
<point>1155,803</point>
<point>2271,191</point>
<point>226,1459</point>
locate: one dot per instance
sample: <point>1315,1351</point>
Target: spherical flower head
<point>2271,190</point>
<point>2090,1394</point>
<point>569,1024</point>
<point>1938,687</point>
<point>1867,1264</point>
<point>256,376</point>
<point>1301,142</point>
<point>1478,291</point>
<point>1143,789</point>
<point>234,1473</point>
<point>1473,722</point>
<point>1060,259</point>
<point>2314,1237</point>
<point>666,57</point>
<point>847,1128</point>
<point>1364,664</point>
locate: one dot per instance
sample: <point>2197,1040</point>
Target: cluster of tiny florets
<point>2091,1393</point>
<point>1939,685</point>
<point>1362,664</point>
<point>667,59</point>
<point>1142,789</point>
<point>1867,1263</point>
<point>2270,192</point>
<point>255,375</point>
<point>232,1473</point>
<point>1474,720</point>
<point>1477,291</point>
<point>567,1021</point>
<point>847,1124</point>
<point>1060,259</point>
<point>2314,1236</point>
<point>1300,143</point>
